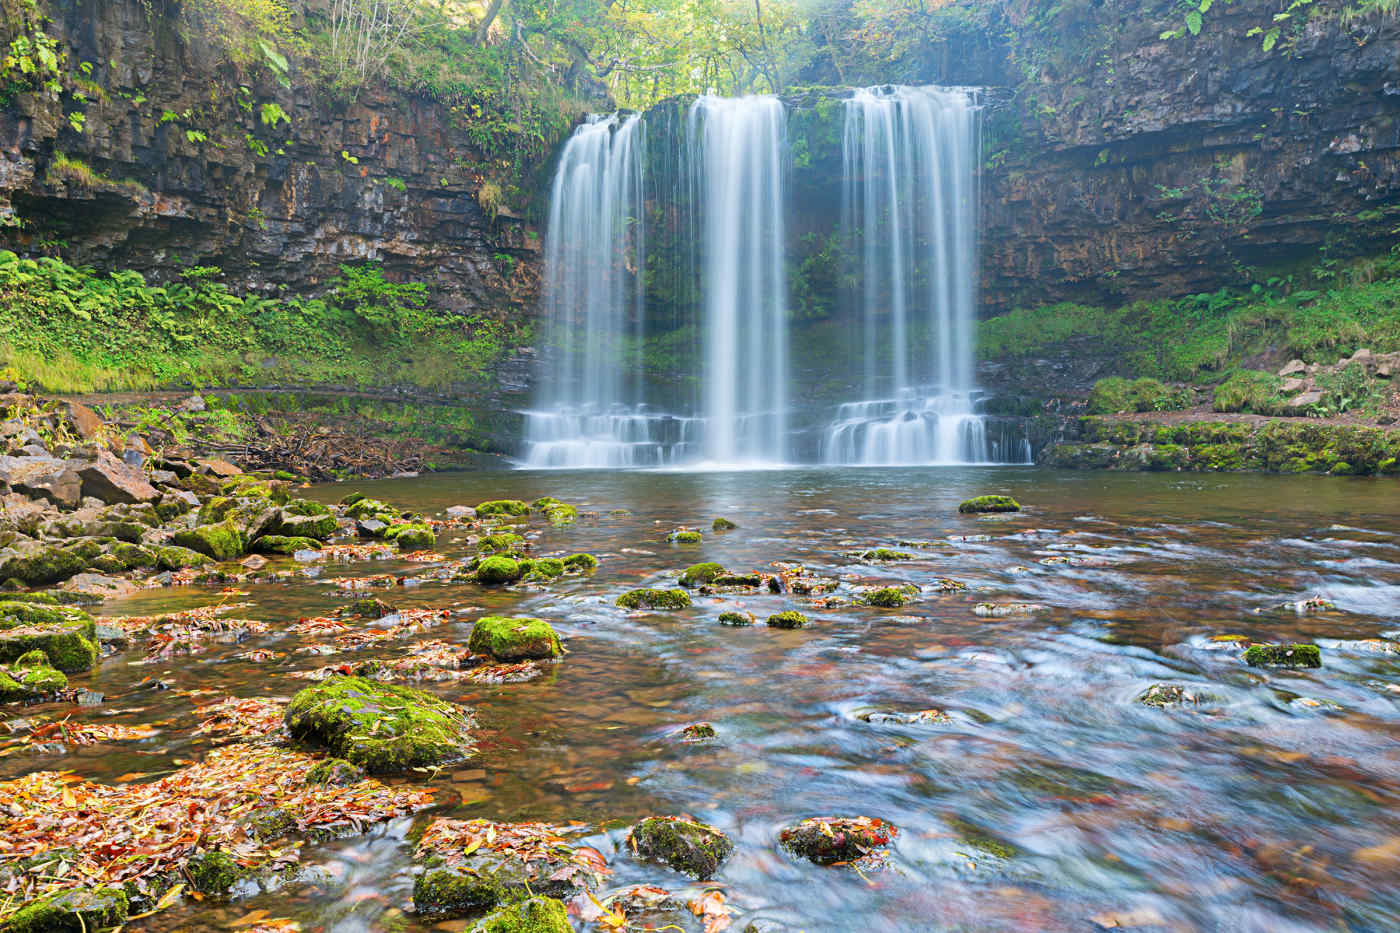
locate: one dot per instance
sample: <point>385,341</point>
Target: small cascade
<point>909,214</point>
<point>737,150</point>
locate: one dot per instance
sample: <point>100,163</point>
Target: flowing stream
<point>1047,799</point>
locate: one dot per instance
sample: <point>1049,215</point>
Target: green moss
<point>214,872</point>
<point>694,848</point>
<point>989,504</point>
<point>446,893</point>
<point>64,634</point>
<point>380,727</point>
<point>337,772</point>
<point>369,508</point>
<point>654,599</point>
<point>890,597</point>
<point>411,536</point>
<point>352,498</point>
<point>501,543</point>
<point>497,571</point>
<point>1283,656</point>
<point>304,518</point>
<point>789,619</point>
<point>738,579</point>
<point>1115,394</point>
<point>978,838</point>
<point>284,545</point>
<point>697,574</point>
<point>832,840</point>
<point>723,524</point>
<point>533,915</point>
<point>685,537</point>
<point>736,619</point>
<point>543,568</point>
<point>36,674</point>
<point>86,910</point>
<point>172,557</point>
<point>507,507</point>
<point>1249,390</point>
<point>885,554</point>
<point>11,690</point>
<point>514,639</point>
<point>1218,458</point>
<point>223,541</point>
<point>561,515</point>
<point>45,565</point>
<point>581,563</point>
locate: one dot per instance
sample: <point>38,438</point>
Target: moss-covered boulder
<point>285,545</point>
<point>371,508</point>
<point>543,568</point>
<point>174,557</point>
<point>685,536</point>
<point>889,597</point>
<point>85,910</point>
<point>334,772</point>
<point>698,574</point>
<point>214,872</point>
<point>694,848</point>
<point>988,504</point>
<point>222,541</point>
<point>65,635</point>
<point>1283,656</point>
<point>561,514</point>
<point>723,524</point>
<point>736,619</point>
<point>654,599</point>
<point>502,542</point>
<point>513,508</point>
<point>789,619</point>
<point>580,563</point>
<point>884,554</point>
<point>303,518</point>
<point>532,915</point>
<point>380,727</point>
<point>514,639</point>
<point>737,580</point>
<point>35,673</point>
<point>41,565</point>
<point>498,571</point>
<point>411,536</point>
<point>833,840</point>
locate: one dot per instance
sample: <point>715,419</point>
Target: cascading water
<point>591,412</point>
<point>738,153</point>
<point>909,214</point>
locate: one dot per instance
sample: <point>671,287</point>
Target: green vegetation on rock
<point>1283,656</point>
<point>688,846</point>
<point>788,619</point>
<point>698,574</point>
<point>989,504</point>
<point>514,639</point>
<point>380,727</point>
<point>498,571</point>
<point>83,910</point>
<point>532,915</point>
<point>654,599</point>
<point>63,634</point>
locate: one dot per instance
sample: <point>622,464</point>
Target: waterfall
<point>909,217</point>
<point>591,411</point>
<point>737,151</point>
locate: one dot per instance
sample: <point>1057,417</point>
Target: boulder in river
<point>836,840</point>
<point>302,518</point>
<point>789,619</point>
<point>979,504</point>
<point>514,639</point>
<point>654,599</point>
<point>80,909</point>
<point>380,727</point>
<point>221,541</point>
<point>1163,696</point>
<point>503,507</point>
<point>889,597</point>
<point>697,574</point>
<point>737,619</point>
<point>35,564</point>
<point>112,480</point>
<point>723,524</point>
<point>688,846</point>
<point>532,915</point>
<point>65,635</point>
<point>1283,656</point>
<point>498,571</point>
<point>580,563</point>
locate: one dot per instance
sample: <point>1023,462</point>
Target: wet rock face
<point>287,217</point>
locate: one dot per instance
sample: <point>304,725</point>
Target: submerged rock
<point>380,727</point>
<point>654,599</point>
<point>889,597</point>
<point>835,840</point>
<point>514,639</point>
<point>788,619</point>
<point>979,504</point>
<point>1163,696</point>
<point>1283,656</point>
<point>885,554</point>
<point>691,847</point>
<point>684,536</point>
<point>723,524</point>
<point>698,731</point>
<point>890,717</point>
<point>997,610</point>
<point>737,619</point>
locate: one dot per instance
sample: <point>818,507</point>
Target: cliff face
<point>1146,167</point>
<point>176,166</point>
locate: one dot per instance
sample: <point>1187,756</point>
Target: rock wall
<point>176,167</point>
<point>1129,166</point>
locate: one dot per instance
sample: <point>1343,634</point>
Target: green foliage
<point>1249,390</point>
<point>72,329</point>
<point>33,60</point>
<point>1116,394</point>
<point>1197,337</point>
